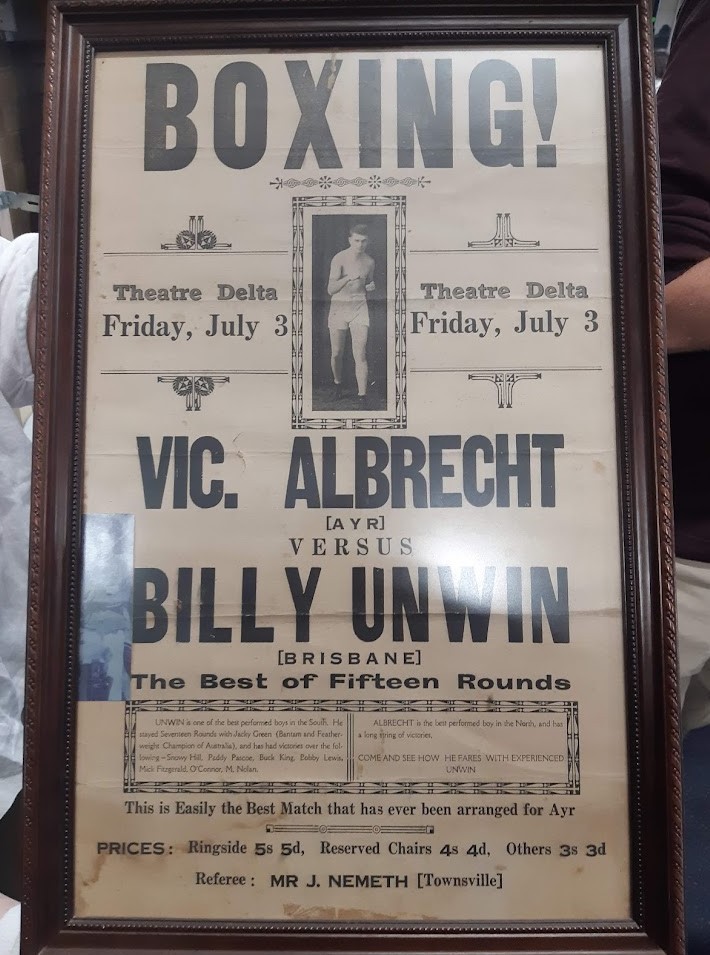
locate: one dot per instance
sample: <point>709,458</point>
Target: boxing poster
<point>351,630</point>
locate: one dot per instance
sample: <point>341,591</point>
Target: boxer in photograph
<point>351,277</point>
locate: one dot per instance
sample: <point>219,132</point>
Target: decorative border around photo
<point>392,412</point>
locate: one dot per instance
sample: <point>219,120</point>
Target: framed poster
<point>351,602</point>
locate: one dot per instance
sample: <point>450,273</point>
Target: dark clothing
<point>11,851</point>
<point>684,132</point>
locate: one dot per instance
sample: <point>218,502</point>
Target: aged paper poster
<point>351,605</point>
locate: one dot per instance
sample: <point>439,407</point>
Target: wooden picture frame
<point>424,173</point>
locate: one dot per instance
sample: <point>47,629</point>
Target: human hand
<point>6,904</point>
<point>9,926</point>
<point>370,287</point>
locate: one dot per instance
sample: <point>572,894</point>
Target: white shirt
<point>10,931</point>
<point>18,266</point>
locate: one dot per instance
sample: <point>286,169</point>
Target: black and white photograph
<point>349,313</point>
<point>349,277</point>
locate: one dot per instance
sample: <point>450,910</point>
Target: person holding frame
<point>18,269</point>
<point>684,125</point>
